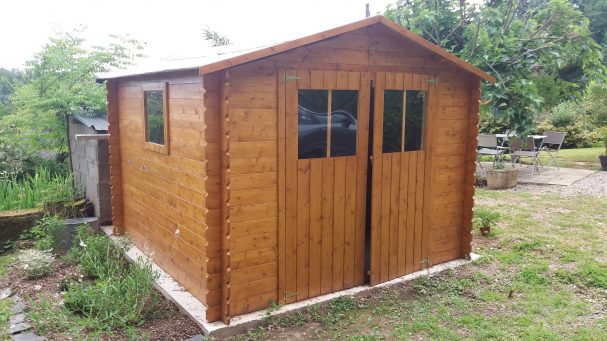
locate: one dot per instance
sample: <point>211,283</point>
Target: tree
<point>215,38</point>
<point>520,42</point>
<point>62,82</point>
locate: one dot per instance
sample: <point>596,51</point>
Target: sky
<point>170,29</point>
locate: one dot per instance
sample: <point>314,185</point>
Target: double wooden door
<point>324,134</point>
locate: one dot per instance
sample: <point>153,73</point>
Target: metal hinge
<point>291,78</point>
<point>288,294</point>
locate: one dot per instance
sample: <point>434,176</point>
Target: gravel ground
<point>594,185</point>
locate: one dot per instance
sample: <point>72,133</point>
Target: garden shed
<point>341,159</point>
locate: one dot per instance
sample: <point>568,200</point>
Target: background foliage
<point>542,52</point>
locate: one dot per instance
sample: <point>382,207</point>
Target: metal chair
<point>487,145</point>
<point>552,145</point>
<point>520,149</point>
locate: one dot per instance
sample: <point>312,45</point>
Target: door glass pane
<point>393,121</point>
<point>312,112</point>
<point>414,120</point>
<point>344,119</point>
<point>154,116</point>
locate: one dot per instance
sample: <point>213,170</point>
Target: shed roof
<point>97,123</point>
<point>225,60</point>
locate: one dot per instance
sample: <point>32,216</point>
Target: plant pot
<point>603,159</point>
<point>502,178</point>
<point>485,231</point>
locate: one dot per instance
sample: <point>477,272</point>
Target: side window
<point>404,115</point>
<point>327,123</point>
<point>155,115</point>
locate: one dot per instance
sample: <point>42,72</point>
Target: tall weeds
<point>33,191</point>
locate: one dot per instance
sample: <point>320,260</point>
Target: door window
<point>404,115</point>
<point>327,123</point>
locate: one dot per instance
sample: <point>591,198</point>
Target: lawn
<point>543,276</point>
<point>585,158</point>
<point>581,158</point>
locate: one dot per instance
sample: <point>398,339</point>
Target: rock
<point>19,306</point>
<point>196,338</point>
<point>19,327</point>
<point>28,337</point>
<point>37,287</point>
<point>18,318</point>
<point>6,293</point>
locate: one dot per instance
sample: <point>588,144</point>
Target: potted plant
<point>603,157</point>
<point>484,219</point>
<point>500,177</point>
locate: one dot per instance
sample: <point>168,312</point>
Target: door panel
<point>321,245</point>
<point>398,231</point>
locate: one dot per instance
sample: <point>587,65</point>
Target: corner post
<point>470,155</point>
<point>114,149</point>
<point>224,127</point>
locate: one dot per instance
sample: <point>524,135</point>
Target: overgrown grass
<point>33,191</point>
<point>111,295</point>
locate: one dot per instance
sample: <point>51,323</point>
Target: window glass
<point>414,120</point>
<point>393,121</point>
<point>154,116</point>
<point>344,119</point>
<point>312,115</point>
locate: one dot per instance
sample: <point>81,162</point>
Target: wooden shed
<point>342,159</point>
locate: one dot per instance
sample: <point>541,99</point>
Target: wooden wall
<point>252,116</point>
<point>163,197</point>
<point>219,184</point>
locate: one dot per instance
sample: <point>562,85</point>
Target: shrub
<point>595,102</point>
<point>484,218</point>
<point>579,134</point>
<point>96,254</point>
<point>491,124</point>
<point>565,114</point>
<point>35,263</point>
<point>48,233</point>
<point>117,301</point>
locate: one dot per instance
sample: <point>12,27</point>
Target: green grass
<point>580,158</point>
<point>583,158</point>
<point>543,276</point>
<point>33,191</point>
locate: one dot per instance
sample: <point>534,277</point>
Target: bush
<point>48,233</point>
<point>579,134</point>
<point>35,263</point>
<point>484,218</point>
<point>96,254</point>
<point>117,301</point>
<point>565,114</point>
<point>490,124</point>
<point>595,102</point>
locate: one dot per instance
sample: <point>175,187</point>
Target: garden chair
<point>527,148</point>
<point>552,145</point>
<point>487,145</point>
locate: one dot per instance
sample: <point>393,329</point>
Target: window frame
<point>403,127</point>
<point>152,146</point>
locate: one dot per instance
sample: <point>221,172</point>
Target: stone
<point>196,338</point>
<point>27,337</point>
<point>18,318</point>
<point>19,306</point>
<point>19,327</point>
<point>6,293</point>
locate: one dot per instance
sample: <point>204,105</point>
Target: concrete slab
<point>193,308</point>
<point>546,176</point>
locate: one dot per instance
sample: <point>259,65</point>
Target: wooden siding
<point>163,195</point>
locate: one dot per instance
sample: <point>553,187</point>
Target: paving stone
<point>28,337</point>
<point>196,338</point>
<point>19,306</point>
<point>18,318</point>
<point>19,327</point>
<point>6,293</point>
